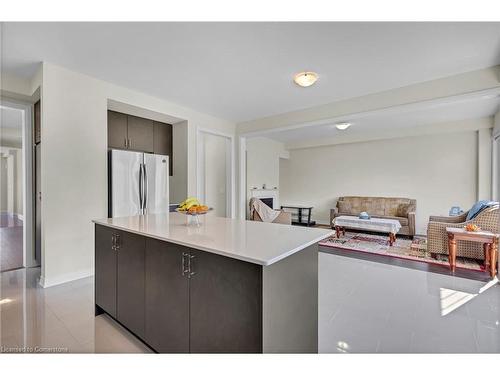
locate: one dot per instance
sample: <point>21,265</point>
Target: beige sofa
<point>401,209</point>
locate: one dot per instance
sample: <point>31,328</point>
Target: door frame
<point>28,155</point>
<point>231,181</point>
<point>495,167</point>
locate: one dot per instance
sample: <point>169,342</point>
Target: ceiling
<point>402,118</point>
<point>243,71</point>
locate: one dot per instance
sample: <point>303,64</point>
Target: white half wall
<point>74,167</point>
<point>439,171</point>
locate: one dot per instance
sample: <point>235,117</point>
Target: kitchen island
<point>225,286</point>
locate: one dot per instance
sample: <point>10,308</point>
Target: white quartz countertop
<point>251,241</point>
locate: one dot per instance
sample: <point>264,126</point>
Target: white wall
<point>74,168</point>
<point>439,171</point>
<point>263,163</point>
<point>484,164</point>
<point>178,182</point>
<point>216,162</point>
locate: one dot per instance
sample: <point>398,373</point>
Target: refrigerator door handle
<point>146,186</point>
<point>141,189</point>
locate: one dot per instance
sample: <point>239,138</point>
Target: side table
<point>488,239</point>
<point>301,215</point>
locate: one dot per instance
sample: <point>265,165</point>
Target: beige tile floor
<point>57,319</point>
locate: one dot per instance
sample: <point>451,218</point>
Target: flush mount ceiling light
<point>342,125</point>
<point>305,79</point>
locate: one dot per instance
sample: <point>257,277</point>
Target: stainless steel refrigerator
<point>138,183</point>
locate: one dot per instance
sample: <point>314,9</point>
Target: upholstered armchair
<point>283,218</point>
<point>437,239</point>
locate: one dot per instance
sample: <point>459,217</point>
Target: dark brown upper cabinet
<point>140,134</point>
<point>127,132</point>
<point>117,130</point>
<point>163,142</point>
<point>37,123</point>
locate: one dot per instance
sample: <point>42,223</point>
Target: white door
<point>215,175</point>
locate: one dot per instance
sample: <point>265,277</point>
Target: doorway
<point>16,247</point>
<point>215,165</point>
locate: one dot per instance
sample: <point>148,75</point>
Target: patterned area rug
<point>415,249</point>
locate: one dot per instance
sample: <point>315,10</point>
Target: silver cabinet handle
<point>126,142</point>
<point>113,242</point>
<point>191,272</point>
<point>185,269</point>
<point>117,241</point>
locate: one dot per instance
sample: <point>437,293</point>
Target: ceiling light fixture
<point>342,125</point>
<point>305,79</point>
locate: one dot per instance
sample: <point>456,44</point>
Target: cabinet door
<point>105,270</point>
<point>130,281</point>
<point>167,298</point>
<point>225,305</point>
<point>140,134</point>
<point>117,130</point>
<point>163,142</point>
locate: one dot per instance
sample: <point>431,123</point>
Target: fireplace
<point>270,197</point>
<point>268,201</point>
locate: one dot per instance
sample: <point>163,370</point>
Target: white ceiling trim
<point>391,110</point>
<point>438,128</point>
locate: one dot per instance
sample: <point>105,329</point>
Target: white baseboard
<point>66,278</point>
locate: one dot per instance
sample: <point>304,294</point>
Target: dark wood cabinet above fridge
<point>127,132</point>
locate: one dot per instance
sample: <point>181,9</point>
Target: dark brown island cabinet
<point>178,299</point>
